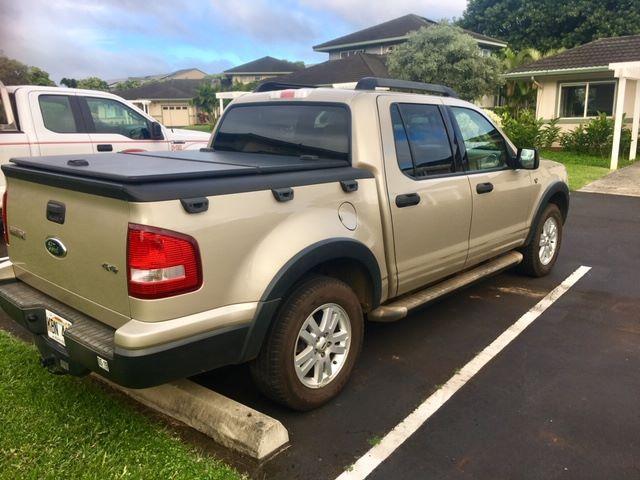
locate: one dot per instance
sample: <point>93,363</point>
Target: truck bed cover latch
<point>195,205</point>
<point>349,185</point>
<point>282,194</point>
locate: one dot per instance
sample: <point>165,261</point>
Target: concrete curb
<point>226,421</point>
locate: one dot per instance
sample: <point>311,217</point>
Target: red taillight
<point>5,225</point>
<point>161,263</point>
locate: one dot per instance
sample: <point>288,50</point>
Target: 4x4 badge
<point>55,247</point>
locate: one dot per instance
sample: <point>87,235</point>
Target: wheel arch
<point>345,259</point>
<point>558,194</point>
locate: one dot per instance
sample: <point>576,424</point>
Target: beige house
<point>597,77</point>
<point>183,74</point>
<point>168,101</point>
<point>260,69</point>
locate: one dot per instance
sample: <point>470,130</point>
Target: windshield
<point>280,129</point>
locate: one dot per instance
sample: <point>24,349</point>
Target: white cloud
<point>364,13</point>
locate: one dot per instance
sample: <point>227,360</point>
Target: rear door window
<point>57,113</point>
<point>286,129</point>
<point>423,148</point>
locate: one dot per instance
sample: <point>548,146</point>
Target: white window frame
<point>586,84</point>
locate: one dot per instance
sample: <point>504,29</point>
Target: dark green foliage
<point>69,82</point>
<point>547,24</point>
<point>445,54</point>
<point>13,72</point>
<point>525,130</point>
<point>596,138</point>
<point>93,83</point>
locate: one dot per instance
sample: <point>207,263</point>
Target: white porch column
<point>221,105</point>
<point>636,123</point>
<point>617,128</point>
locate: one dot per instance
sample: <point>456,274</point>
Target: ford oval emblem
<point>55,247</point>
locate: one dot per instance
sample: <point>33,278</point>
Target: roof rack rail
<point>370,83</point>
<point>273,86</point>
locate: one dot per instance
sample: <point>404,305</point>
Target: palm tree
<point>205,99</point>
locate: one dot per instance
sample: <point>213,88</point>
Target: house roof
<point>159,76</point>
<point>179,89</point>
<point>266,65</point>
<point>344,70</point>
<point>393,30</point>
<point>596,55</point>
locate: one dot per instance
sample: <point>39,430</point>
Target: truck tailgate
<point>80,258</point>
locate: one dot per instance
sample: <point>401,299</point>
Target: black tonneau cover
<point>157,176</point>
<point>166,166</point>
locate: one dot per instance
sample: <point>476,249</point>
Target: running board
<point>399,309</point>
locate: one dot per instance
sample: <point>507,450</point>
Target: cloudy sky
<point>119,38</point>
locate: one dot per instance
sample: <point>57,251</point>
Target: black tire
<point>531,264</point>
<point>274,371</point>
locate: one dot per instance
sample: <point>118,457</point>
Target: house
<point>340,73</point>
<point>575,85</point>
<point>168,101</point>
<point>260,69</point>
<point>184,74</point>
<point>382,38</point>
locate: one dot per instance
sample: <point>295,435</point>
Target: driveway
<point>625,181</point>
<point>560,401</point>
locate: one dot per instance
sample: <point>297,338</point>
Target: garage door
<point>175,115</point>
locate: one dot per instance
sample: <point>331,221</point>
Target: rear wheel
<point>542,252</point>
<point>312,346</point>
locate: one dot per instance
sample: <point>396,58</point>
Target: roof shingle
<point>168,89</point>
<point>266,65</point>
<point>598,53</point>
<point>398,27</point>
<point>345,70</point>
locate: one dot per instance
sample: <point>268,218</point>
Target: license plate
<point>56,326</point>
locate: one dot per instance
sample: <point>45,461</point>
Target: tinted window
<point>294,130</point>
<point>601,96</point>
<point>486,149</point>
<point>403,153</point>
<point>422,128</point>
<point>111,116</point>
<point>57,114</point>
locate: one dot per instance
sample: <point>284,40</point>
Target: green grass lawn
<point>201,128</point>
<point>54,427</point>
<point>582,169</point>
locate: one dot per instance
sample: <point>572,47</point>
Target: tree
<point>547,24</point>
<point>127,84</point>
<point>93,83</point>
<point>69,82</point>
<point>37,76</point>
<point>205,99</point>
<point>445,54</point>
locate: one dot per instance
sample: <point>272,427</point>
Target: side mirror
<point>156,131</point>
<point>527,159</point>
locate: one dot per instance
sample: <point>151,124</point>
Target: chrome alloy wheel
<point>548,241</point>
<point>322,346</point>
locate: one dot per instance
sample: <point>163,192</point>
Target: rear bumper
<point>89,344</point>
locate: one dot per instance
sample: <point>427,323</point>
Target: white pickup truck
<point>38,121</point>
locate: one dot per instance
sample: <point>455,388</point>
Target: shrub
<point>525,130</point>
<point>595,137</point>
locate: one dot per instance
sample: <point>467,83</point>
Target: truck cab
<point>39,121</point>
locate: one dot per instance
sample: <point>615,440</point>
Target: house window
<point>586,99</point>
<point>349,53</point>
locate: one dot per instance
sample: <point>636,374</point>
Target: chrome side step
<point>399,308</point>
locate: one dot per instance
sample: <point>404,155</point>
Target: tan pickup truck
<point>311,211</point>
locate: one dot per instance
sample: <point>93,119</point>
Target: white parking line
<point>401,432</point>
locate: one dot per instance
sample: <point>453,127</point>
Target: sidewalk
<point>625,181</point>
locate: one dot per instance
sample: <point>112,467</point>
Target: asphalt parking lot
<point>561,401</point>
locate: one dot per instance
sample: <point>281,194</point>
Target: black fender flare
<point>553,189</point>
<point>295,269</point>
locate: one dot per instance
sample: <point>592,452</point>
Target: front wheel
<point>542,252</point>
<point>312,346</point>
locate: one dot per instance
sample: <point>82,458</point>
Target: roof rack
<point>273,86</point>
<point>370,83</point>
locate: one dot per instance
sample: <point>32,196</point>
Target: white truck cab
<point>38,121</point>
